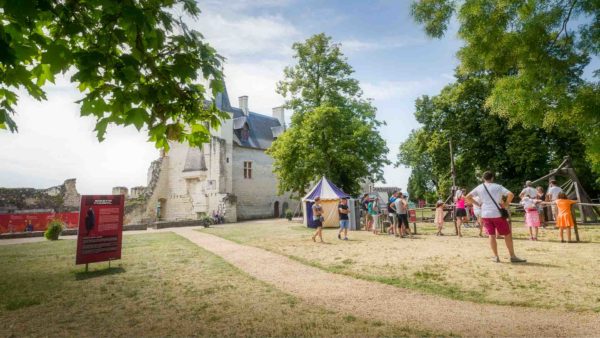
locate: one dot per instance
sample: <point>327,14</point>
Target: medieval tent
<point>330,196</point>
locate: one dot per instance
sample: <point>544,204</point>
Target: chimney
<point>244,104</point>
<point>279,114</point>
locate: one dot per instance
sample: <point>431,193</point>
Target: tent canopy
<point>325,190</point>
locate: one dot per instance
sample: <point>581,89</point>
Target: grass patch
<point>18,303</point>
<point>163,286</point>
<point>445,266</point>
<point>349,318</point>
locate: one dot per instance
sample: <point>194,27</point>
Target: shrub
<point>289,214</point>
<point>206,221</point>
<point>54,229</point>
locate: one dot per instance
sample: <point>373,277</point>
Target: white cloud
<point>258,81</point>
<point>240,5</point>
<point>356,45</point>
<point>54,143</point>
<point>386,90</point>
<point>236,34</point>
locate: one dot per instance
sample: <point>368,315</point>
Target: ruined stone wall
<point>59,198</point>
<point>140,207</point>
<point>256,197</point>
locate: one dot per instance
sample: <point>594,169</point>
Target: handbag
<point>503,212</point>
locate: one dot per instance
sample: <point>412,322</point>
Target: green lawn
<point>557,275</point>
<point>164,285</point>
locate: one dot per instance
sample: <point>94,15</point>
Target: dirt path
<point>387,303</point>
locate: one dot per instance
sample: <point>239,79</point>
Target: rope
<point>570,181</point>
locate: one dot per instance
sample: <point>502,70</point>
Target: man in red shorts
<point>491,196</point>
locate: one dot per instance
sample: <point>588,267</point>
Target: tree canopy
<point>481,141</point>
<point>534,54</point>
<point>135,63</point>
<point>333,129</point>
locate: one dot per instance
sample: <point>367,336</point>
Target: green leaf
<point>101,128</point>
<point>58,56</point>
<point>137,117</point>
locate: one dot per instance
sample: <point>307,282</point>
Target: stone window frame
<point>248,170</point>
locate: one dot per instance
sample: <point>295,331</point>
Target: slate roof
<point>262,128</point>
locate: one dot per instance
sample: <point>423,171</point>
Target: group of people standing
<point>534,201</point>
<point>489,201</point>
<point>397,212</point>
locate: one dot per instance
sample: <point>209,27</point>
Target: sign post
<point>100,229</point>
<point>412,218</point>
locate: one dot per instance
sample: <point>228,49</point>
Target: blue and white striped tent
<point>330,196</point>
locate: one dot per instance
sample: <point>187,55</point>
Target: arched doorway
<point>276,209</point>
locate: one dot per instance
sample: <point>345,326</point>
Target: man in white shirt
<point>491,201</point>
<point>552,195</point>
<point>529,191</point>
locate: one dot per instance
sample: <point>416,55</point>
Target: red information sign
<point>100,228</point>
<point>412,216</point>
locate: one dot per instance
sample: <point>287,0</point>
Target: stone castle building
<point>231,175</point>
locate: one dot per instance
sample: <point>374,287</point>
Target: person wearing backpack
<point>494,213</point>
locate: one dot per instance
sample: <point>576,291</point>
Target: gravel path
<point>391,304</point>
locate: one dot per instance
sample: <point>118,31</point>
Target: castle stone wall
<point>256,197</point>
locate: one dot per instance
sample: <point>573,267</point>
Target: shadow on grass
<point>82,275</point>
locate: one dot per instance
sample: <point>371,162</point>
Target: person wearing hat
<point>317,211</point>
<point>344,220</point>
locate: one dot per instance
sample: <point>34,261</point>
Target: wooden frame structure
<point>587,213</point>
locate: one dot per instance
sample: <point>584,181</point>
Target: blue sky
<point>394,61</point>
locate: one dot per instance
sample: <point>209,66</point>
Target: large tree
<point>135,63</point>
<point>534,54</point>
<point>333,129</point>
<point>481,141</point>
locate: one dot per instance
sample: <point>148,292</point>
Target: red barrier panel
<point>17,222</point>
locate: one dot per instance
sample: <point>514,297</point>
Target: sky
<point>393,60</point>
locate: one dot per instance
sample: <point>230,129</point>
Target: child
<point>532,217</point>
<point>564,219</point>
<point>374,212</point>
<point>439,217</point>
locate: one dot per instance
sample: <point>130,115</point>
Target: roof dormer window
<point>245,133</point>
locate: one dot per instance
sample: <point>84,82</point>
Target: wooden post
<point>575,225</point>
<point>453,173</point>
<point>86,267</point>
<point>578,194</point>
